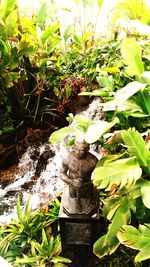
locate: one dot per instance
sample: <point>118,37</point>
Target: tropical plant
<point>32,237</point>
<point>127,179</point>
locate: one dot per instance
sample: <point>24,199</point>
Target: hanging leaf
<point>123,94</point>
<point>145,191</point>
<point>122,172</point>
<point>41,17</point>
<point>108,243</point>
<point>136,146</point>
<point>97,129</point>
<point>136,239</point>
<point>132,55</point>
<point>49,31</point>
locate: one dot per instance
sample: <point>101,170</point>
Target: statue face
<point>79,153</point>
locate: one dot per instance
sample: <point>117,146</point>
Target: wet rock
<point>11,193</point>
<point>29,184</point>
<point>35,154</point>
<point>8,176</point>
<point>43,160</point>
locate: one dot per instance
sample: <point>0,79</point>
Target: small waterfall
<point>41,184</point>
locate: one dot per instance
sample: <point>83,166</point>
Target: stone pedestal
<point>78,229</point>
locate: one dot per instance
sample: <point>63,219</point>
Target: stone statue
<point>79,196</point>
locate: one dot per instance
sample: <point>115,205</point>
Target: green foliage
<point>122,172</point>
<point>137,147</point>
<point>30,239</point>
<point>109,242</point>
<point>85,128</point>
<point>133,9</point>
<point>136,239</point>
<point>123,94</point>
<point>132,56</point>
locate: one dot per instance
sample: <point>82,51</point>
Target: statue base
<point>78,229</point>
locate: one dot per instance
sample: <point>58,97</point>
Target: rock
<point>8,176</point>
<point>42,161</point>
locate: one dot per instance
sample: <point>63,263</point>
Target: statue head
<point>81,148</point>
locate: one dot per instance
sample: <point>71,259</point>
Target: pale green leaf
<point>112,69</point>
<point>83,121</point>
<point>145,193</point>
<point>68,31</point>
<point>29,26</point>
<point>146,77</point>
<point>11,25</point>
<point>6,7</point>
<point>100,3</point>
<point>99,92</point>
<point>97,129</point>
<point>132,56</point>
<point>122,172</point>
<point>129,105</point>
<point>41,17</point>
<point>136,239</point>
<point>123,94</point>
<point>26,45</point>
<point>108,243</point>
<point>60,259</point>
<point>136,146</point>
<point>49,31</point>
<point>60,134</point>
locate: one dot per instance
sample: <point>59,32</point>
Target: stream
<point>41,183</point>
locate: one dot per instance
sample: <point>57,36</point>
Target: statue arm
<point>63,172</point>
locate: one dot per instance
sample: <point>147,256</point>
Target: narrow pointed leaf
<point>49,31</point>
<point>136,146</point>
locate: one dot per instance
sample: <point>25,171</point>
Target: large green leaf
<point>132,56</point>
<point>6,7</point>
<point>60,134</point>
<point>136,146</point>
<point>26,46</point>
<point>145,191</point>
<point>123,94</point>
<point>120,172</point>
<point>136,239</point>
<point>29,26</point>
<point>97,129</point>
<point>49,31</point>
<point>11,25</point>
<point>108,243</point>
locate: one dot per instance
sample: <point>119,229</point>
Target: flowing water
<point>43,185</point>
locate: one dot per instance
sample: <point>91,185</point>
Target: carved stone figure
<point>79,196</point>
